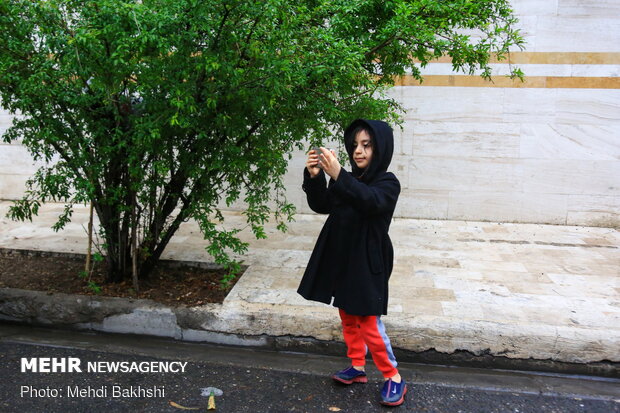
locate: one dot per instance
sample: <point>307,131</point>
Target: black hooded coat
<point>353,256</point>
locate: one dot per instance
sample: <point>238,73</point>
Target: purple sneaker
<point>393,394</point>
<point>350,375</point>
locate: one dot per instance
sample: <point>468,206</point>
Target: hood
<point>382,149</point>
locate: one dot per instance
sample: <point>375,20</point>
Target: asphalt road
<point>263,381</point>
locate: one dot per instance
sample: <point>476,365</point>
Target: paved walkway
<point>513,290</point>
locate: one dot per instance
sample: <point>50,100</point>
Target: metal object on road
<point>211,405</point>
<point>211,392</point>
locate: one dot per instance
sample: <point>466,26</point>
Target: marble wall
<point>16,164</point>
<point>543,151</point>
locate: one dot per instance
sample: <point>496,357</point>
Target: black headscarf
<point>382,138</point>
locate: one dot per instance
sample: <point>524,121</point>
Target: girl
<point>353,256</point>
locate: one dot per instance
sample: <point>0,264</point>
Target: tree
<point>155,110</point>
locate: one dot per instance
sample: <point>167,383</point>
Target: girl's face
<point>362,149</point>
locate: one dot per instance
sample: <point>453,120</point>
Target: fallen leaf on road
<point>178,406</point>
<point>334,409</point>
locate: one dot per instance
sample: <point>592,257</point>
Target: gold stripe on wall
<point>557,82</point>
<point>552,58</point>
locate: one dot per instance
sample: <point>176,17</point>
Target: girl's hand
<point>312,163</point>
<point>329,163</point>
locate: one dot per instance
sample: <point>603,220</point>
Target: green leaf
<point>160,112</point>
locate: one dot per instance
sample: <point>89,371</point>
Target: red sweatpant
<point>362,333</point>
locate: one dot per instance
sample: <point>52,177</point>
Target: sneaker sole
<point>397,402</point>
<point>359,379</point>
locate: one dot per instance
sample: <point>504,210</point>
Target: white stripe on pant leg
<point>386,341</point>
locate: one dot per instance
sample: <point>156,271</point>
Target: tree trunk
<point>134,241</point>
<point>121,250</point>
<point>90,239</point>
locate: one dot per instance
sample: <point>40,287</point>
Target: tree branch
<point>389,40</point>
<point>219,31</point>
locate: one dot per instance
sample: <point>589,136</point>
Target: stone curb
<point>147,317</point>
